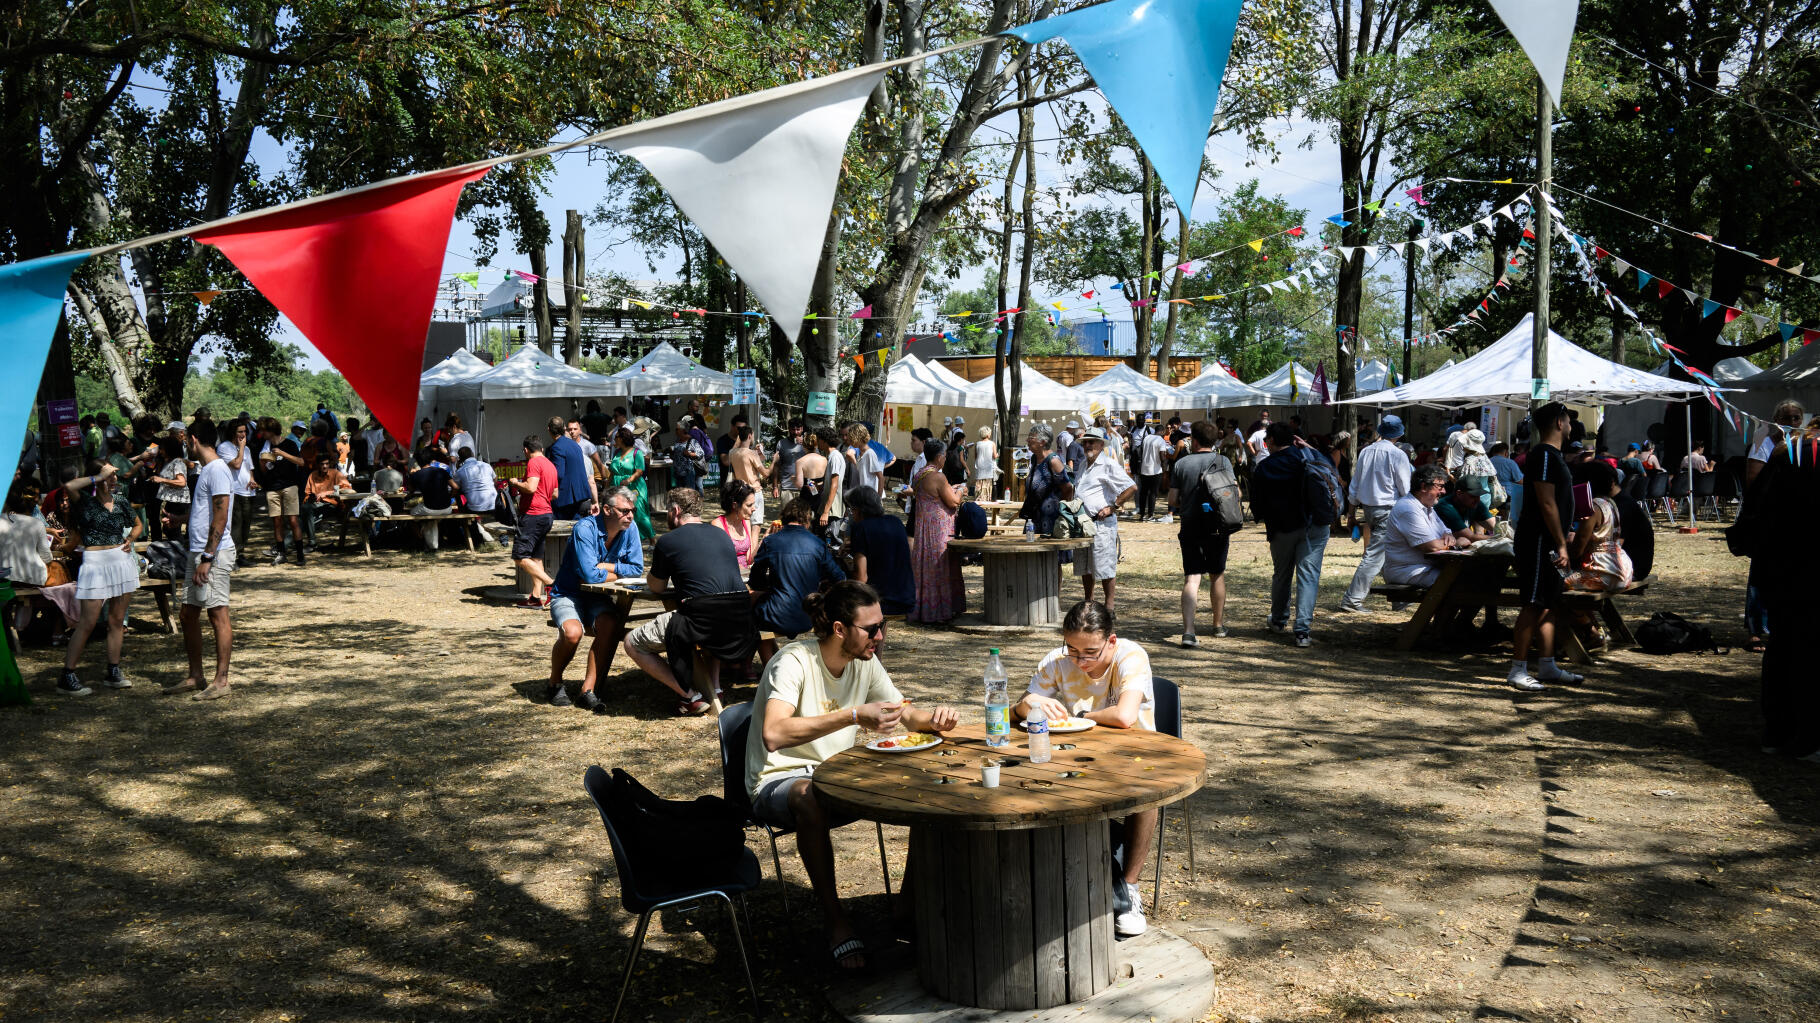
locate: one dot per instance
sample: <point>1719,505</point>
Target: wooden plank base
<point>1023,588</point>
<point>1161,979</point>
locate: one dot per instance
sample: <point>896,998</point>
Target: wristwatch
<point>205,556</point>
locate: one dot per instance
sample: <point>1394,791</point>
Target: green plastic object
<point>12,685</point>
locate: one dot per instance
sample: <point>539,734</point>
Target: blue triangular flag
<point>1118,287</point>
<point>1643,280</point>
<point>1708,307</point>
<point>1788,331</point>
<point>1339,221</point>
<point>31,302</point>
<point>1159,63</point>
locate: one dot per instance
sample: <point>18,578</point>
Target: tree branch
<point>1034,101</point>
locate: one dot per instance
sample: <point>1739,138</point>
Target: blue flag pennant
<point>1708,307</point>
<point>31,301</point>
<point>1788,331</point>
<point>1159,63</point>
<point>1339,221</point>
<point>1643,280</point>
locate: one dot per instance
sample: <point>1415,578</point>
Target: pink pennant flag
<point>1415,194</point>
<point>528,278</point>
<point>863,313</point>
<point>358,274</point>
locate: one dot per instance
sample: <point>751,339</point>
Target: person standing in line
<point>627,470</point>
<point>831,500</point>
<point>939,592</point>
<point>535,517</point>
<point>1204,545</point>
<point>106,526</point>
<point>281,461</point>
<point>1380,478</point>
<point>212,554</point>
<point>1784,422</point>
<point>1296,529</point>
<point>235,450</point>
<point>985,465</point>
<point>1152,457</point>
<point>1541,547</point>
<point>748,466</point>
<point>1101,485</point>
<point>783,465</point>
<point>575,492</point>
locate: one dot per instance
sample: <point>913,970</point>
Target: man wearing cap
<point>1380,478</point>
<point>1102,484</point>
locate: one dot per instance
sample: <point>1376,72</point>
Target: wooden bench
<point>366,537</point>
<point>160,589</point>
<point>1570,640</point>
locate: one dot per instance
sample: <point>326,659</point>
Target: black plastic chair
<point>1677,492</point>
<point>1706,488</point>
<point>735,731</point>
<point>640,896</point>
<point>1656,491</point>
<point>1169,722</point>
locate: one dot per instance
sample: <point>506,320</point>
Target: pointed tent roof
<point>911,381</point>
<point>1726,371</point>
<point>947,376</point>
<point>1040,393</point>
<point>1225,390</point>
<point>1499,375</point>
<point>664,371</point>
<point>529,372</point>
<point>461,365</point>
<point>1277,386</point>
<point>1370,376</point>
<point>1127,390</point>
<point>1796,377</point>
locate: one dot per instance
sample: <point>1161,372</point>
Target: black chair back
<point>599,783</point>
<point>1168,706</point>
<point>735,731</point>
<point>1677,487</point>
<point>1635,485</point>
<point>1658,486</point>
<point>1704,484</point>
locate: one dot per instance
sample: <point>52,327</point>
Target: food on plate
<point>914,740</point>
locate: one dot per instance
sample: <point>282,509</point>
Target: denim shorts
<point>583,608</point>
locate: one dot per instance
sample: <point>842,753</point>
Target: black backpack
<point>1669,633</point>
<point>166,559</point>
<point>1321,490</point>
<point>1221,507</point>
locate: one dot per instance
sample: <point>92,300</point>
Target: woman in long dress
<point>628,470</point>
<point>939,596</point>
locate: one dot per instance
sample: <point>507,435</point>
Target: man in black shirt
<point>1204,544</point>
<point>1541,547</point>
<point>279,473</point>
<point>692,561</point>
<point>433,483</point>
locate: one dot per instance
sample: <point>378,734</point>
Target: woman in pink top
<point>738,498</point>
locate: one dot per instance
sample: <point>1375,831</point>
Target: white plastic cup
<point>989,776</point>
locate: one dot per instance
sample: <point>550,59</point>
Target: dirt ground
<point>384,824</point>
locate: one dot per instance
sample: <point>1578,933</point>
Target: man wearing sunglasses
<point>602,548</point>
<point>812,700</point>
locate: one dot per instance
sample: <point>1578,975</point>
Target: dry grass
<point>382,825</point>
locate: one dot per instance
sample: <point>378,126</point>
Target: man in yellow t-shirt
<point>812,700</point>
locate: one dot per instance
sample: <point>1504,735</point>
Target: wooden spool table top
<point>1017,544</point>
<point>1110,772</point>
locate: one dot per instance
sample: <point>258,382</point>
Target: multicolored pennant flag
<point>31,303</point>
<point>1708,307</point>
<point>1256,244</point>
<point>1159,63</point>
<point>756,174</point>
<point>527,278</point>
<point>472,278</point>
<point>862,313</point>
<point>1339,221</point>
<point>358,275</point>
<point>1545,30</point>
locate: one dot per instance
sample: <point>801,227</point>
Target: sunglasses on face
<point>871,631</point>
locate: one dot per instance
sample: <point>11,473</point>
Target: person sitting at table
<point>881,552</point>
<point>695,562</point>
<point>322,491</point>
<point>480,492</point>
<point>1598,542</point>
<point>736,500</point>
<point>1466,515</point>
<point>791,564</point>
<point>1096,675</point>
<point>1415,530</point>
<point>602,548</point>
<point>812,699</point>
<point>433,483</point>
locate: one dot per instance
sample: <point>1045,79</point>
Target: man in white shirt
<point>1254,444</point>
<point>235,435</point>
<point>373,438</point>
<point>1101,485</point>
<point>812,700</point>
<point>1786,419</point>
<point>480,489</point>
<point>1153,469</point>
<point>1415,530</point>
<point>1380,477</point>
<point>1454,455</point>
<point>211,561</point>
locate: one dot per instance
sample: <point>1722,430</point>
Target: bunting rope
<point>1774,262</point>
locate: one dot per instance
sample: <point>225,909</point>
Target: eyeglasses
<point>617,510</point>
<point>1079,656</point>
<point>871,631</point>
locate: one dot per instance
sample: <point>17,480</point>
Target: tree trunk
<point>540,298</point>
<point>574,259</point>
<point>1164,373</point>
<point>820,338</point>
<point>1026,133</point>
<point>720,295</point>
<point>1008,396</point>
<point>1149,254</point>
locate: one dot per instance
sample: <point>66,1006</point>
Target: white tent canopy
<point>462,365</point>
<point>946,376</point>
<point>1499,375</point>
<point>911,381</point>
<point>1370,376</point>
<point>1796,377</point>
<point>1222,387</point>
<point>666,372</point>
<point>515,398</point>
<point>1278,390</point>
<point>1126,390</point>
<point>1040,393</point>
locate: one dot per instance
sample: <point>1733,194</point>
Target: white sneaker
<point>1526,682</point>
<point>1130,922</point>
<point>1563,677</point>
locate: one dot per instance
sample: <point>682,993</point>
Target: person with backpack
<point>1204,495</point>
<point>1101,486</point>
<point>1295,493</point>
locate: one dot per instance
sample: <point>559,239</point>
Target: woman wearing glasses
<point>1096,675</point>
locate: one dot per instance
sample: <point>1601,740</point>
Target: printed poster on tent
<point>821,403</point>
<point>745,387</point>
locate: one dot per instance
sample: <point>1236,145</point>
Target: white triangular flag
<point>1446,240</point>
<point>1620,266</point>
<point>1692,299</point>
<point>1796,269</point>
<point>1507,214</point>
<point>1487,222</point>
<point>757,174</point>
<point>1422,243</point>
<point>1371,252</point>
<point>1398,247</point>
<point>1345,252</point>
<point>1545,30</point>
<point>1761,321</point>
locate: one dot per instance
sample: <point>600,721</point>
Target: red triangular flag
<point>1295,232</point>
<point>1086,294</point>
<point>1599,252</point>
<point>1807,337</point>
<point>1664,289</point>
<point>860,361</point>
<point>1730,314</point>
<point>358,275</point>
<point>862,313</point>
<point>1773,262</point>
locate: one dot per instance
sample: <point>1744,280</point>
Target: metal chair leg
<point>1156,891</point>
<point>638,942</point>
<point>778,865</point>
<point>1188,811</point>
<point>884,862</point>
<point>739,940</point>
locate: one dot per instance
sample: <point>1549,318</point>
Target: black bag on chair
<point>703,837</point>
<point>166,559</point>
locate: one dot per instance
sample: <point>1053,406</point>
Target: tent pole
<point>1538,360</point>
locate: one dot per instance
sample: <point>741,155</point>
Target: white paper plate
<point>1055,729</point>
<point>631,580</point>
<point>876,748</point>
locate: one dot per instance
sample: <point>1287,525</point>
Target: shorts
<point>649,637</point>
<point>1538,580</point>
<point>1204,552</point>
<point>214,593</point>
<point>1101,561</point>
<point>282,503</point>
<point>531,532</point>
<point>758,508</point>
<point>584,608</point>
<point>771,803</point>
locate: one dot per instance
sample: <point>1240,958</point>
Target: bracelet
<point>856,716</point>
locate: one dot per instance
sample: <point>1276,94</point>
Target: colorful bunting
<point>1159,64</point>
<point>471,277</point>
<point>862,313</point>
<point>1339,221</point>
<point>31,303</point>
<point>1256,244</point>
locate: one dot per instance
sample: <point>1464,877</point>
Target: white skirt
<point>107,572</point>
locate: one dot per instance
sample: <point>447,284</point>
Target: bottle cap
<point>995,650</point>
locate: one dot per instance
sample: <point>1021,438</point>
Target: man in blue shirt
<point>602,548</point>
<point>791,564</point>
<point>1510,477</point>
<point>575,494</point>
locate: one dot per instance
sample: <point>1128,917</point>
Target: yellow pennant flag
<point>1060,306</point>
<point>1257,244</point>
<point>641,305</point>
<point>205,297</point>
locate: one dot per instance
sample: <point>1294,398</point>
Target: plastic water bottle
<point>1037,724</point>
<point>998,703</point>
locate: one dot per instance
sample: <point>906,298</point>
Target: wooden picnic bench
<point>160,589</point>
<point>1569,639</point>
<point>366,537</point>
<point>1447,596</point>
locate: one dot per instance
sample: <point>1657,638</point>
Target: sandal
<point>1755,644</point>
<point>847,952</point>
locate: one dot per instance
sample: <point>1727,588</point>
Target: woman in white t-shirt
<point>985,465</point>
<point>1096,675</point>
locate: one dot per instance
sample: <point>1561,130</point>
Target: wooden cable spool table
<point>1023,577</point>
<point>1012,886</point>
